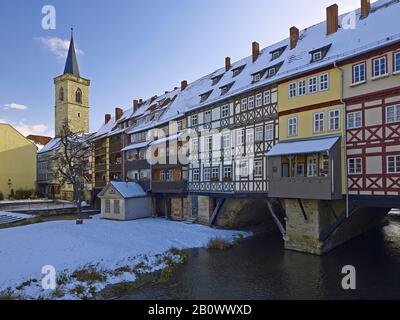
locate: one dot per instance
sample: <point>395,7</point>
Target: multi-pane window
<point>292,90</point>
<point>393,114</point>
<point>179,125</point>
<point>108,206</point>
<point>257,77</point>
<point>196,175</point>
<point>355,165</point>
<point>324,82</point>
<point>249,136</point>
<point>258,164</point>
<point>319,122</point>
<point>316,56</point>
<point>269,132</point>
<point>195,120</point>
<point>116,207</point>
<point>225,111</point>
<point>251,103</point>
<point>259,134</point>
<point>292,126</point>
<point>195,145</point>
<point>259,100</point>
<point>209,143</point>
<point>244,168</point>
<point>312,85</point>
<point>302,87</point>
<point>226,141</point>
<point>379,66</point>
<point>267,97</point>
<point>215,173</point>
<point>240,137</point>
<point>393,164</point>
<point>359,74</point>
<point>271,72</point>
<point>207,116</point>
<point>396,62</point>
<point>168,175</point>
<point>207,174</point>
<point>162,175</point>
<point>312,167</point>
<point>334,119</point>
<point>228,172</point>
<point>354,120</point>
<point>243,105</point>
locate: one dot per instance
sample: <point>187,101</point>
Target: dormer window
<point>204,96</point>
<point>256,77</point>
<point>277,53</point>
<point>271,72</point>
<point>216,79</point>
<point>225,89</point>
<point>319,54</point>
<point>237,71</point>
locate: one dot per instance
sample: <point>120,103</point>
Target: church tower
<point>72,96</point>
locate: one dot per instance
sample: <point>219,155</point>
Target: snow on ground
<point>107,244</point>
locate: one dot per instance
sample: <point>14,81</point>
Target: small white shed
<point>124,201</point>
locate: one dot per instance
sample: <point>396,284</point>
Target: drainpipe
<point>345,137</point>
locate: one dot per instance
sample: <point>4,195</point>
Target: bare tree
<point>70,163</point>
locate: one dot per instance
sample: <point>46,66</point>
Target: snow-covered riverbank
<point>105,245</point>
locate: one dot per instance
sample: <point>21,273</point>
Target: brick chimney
<point>107,118</point>
<point>365,8</point>
<point>184,85</point>
<point>135,105</point>
<point>255,50</point>
<point>228,63</point>
<point>332,19</point>
<point>294,37</point>
<point>140,102</point>
<point>118,113</point>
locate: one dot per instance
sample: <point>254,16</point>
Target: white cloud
<point>26,129</point>
<point>59,47</point>
<point>15,106</point>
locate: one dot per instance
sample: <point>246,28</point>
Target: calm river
<point>259,268</point>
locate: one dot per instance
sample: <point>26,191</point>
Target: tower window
<point>61,94</point>
<point>79,115</point>
<point>78,96</point>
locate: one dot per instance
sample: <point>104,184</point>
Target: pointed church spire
<point>71,66</point>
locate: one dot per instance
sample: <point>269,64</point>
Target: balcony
<point>169,186</point>
<point>310,169</point>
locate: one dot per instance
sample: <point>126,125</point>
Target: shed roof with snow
<point>126,190</point>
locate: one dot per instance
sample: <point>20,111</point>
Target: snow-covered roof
<point>134,146</point>
<point>125,189</point>
<point>377,30</point>
<point>53,144</point>
<point>302,147</point>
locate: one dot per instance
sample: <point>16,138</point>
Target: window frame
<point>250,103</point>
<point>225,109</point>
<point>375,76</point>
<point>312,85</point>
<point>207,174</point>
<point>396,112</point>
<point>355,121</point>
<point>396,163</point>
<point>258,133</point>
<point>334,117</point>
<point>266,136</point>
<point>354,171</point>
<point>215,170</point>
<point>196,175</point>
<point>359,64</point>
<point>259,100</point>
<point>256,167</point>
<point>192,122</point>
<point>208,116</point>
<point>243,104</point>
<point>396,68</point>
<point>267,97</point>
<point>300,93</point>
<point>320,121</point>
<point>292,90</point>
<point>295,125</point>
<point>321,82</point>
<point>317,56</point>
<point>225,171</point>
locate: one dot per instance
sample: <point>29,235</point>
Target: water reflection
<point>259,268</point>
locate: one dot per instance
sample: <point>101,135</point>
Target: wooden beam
<point>302,209</point>
<point>216,211</point>
<point>276,219</point>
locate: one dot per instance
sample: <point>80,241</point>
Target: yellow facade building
<point>17,161</point>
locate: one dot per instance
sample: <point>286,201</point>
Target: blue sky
<point>131,49</point>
